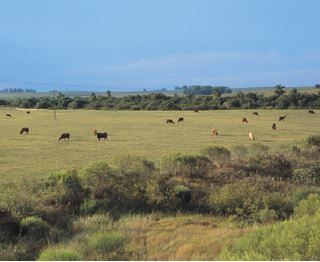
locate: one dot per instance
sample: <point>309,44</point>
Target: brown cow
<point>255,113</point>
<point>244,120</point>
<point>100,136</point>
<point>214,132</point>
<point>181,119</point>
<point>64,136</point>
<point>274,126</point>
<point>24,130</point>
<point>28,112</point>
<point>311,112</point>
<point>282,118</point>
<point>170,121</point>
<point>8,116</point>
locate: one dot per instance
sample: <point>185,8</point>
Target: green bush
<point>308,207</point>
<point>59,254</point>
<point>9,226</point>
<point>34,227</point>
<point>218,154</point>
<point>313,140</point>
<point>296,239</point>
<point>106,246</point>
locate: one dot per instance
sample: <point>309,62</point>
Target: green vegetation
<point>203,197</point>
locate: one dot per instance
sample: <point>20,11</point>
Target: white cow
<point>251,136</point>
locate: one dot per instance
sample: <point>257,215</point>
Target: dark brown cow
<point>255,113</point>
<point>64,136</point>
<point>274,126</point>
<point>28,112</point>
<point>181,119</point>
<point>244,120</point>
<point>282,118</point>
<point>24,130</point>
<point>311,112</point>
<point>8,116</point>
<point>100,136</point>
<point>170,121</point>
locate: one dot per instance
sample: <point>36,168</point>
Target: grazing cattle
<point>255,113</point>
<point>103,136</point>
<point>214,132</point>
<point>170,121</point>
<point>24,130</point>
<point>274,126</point>
<point>28,112</point>
<point>64,136</point>
<point>244,120</point>
<point>180,119</point>
<point>282,118</point>
<point>8,116</point>
<point>251,136</point>
<point>311,112</point>
<point>100,136</point>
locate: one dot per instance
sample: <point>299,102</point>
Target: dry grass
<point>193,237</point>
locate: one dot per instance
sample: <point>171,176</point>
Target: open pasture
<point>143,133</point>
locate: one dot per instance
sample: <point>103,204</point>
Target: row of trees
<point>17,90</point>
<point>156,101</point>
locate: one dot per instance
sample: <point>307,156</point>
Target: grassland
<point>142,133</point>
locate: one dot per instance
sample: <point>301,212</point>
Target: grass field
<point>142,133</point>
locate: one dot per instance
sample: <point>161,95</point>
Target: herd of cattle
<point>104,135</point>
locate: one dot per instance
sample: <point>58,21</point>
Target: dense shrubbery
<point>255,186</point>
<point>203,98</point>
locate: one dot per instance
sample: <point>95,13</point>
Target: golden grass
<point>142,133</point>
<point>185,237</point>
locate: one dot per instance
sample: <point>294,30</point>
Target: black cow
<point>282,118</point>
<point>180,119</point>
<point>255,113</point>
<point>64,136</point>
<point>244,120</point>
<point>24,130</point>
<point>103,136</point>
<point>311,112</point>
<point>274,126</point>
<point>170,121</point>
<point>28,112</point>
<point>8,116</point>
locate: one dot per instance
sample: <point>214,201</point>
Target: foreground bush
<point>59,254</point>
<point>313,140</point>
<point>35,227</point>
<point>297,239</point>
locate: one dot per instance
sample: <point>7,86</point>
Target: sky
<point>130,45</point>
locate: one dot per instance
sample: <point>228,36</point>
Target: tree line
<point>281,98</point>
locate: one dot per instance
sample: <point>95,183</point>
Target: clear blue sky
<point>136,44</point>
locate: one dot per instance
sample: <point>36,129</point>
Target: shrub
<point>266,216</point>
<point>194,166</point>
<point>296,239</point>
<point>259,150</point>
<point>9,226</point>
<point>106,246</point>
<point>219,154</point>
<point>183,193</point>
<point>59,254</point>
<point>308,207</point>
<point>34,227</point>
<point>313,140</point>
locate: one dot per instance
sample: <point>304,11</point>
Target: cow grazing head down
<point>181,119</point>
<point>251,136</point>
<point>64,136</point>
<point>214,132</point>
<point>255,113</point>
<point>274,126</point>
<point>244,120</point>
<point>311,112</point>
<point>169,121</point>
<point>8,115</point>
<point>24,130</point>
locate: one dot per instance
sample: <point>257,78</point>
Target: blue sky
<point>135,44</point>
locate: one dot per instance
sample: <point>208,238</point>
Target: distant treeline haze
<point>217,98</point>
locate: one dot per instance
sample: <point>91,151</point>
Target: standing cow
<point>251,136</point>
<point>100,136</point>
<point>170,121</point>
<point>8,116</point>
<point>24,130</point>
<point>244,120</point>
<point>274,126</point>
<point>214,132</point>
<point>311,112</point>
<point>282,118</point>
<point>181,119</point>
<point>255,113</point>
